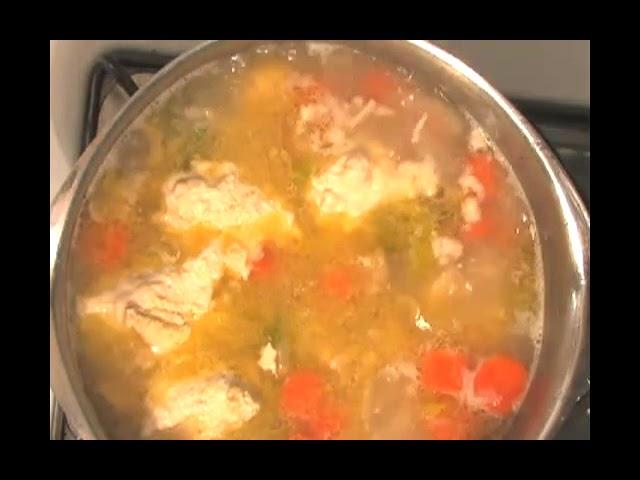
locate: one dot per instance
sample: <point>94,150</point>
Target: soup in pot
<point>304,242</point>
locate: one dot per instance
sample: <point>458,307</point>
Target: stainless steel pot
<point>563,225</point>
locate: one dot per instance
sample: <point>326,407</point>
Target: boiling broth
<point>369,265</point>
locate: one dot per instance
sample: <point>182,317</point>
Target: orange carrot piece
<point>104,244</point>
<point>338,282</point>
<point>443,370</point>
<point>499,383</point>
<point>379,84</point>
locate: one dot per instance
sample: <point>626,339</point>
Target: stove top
<point>119,74</point>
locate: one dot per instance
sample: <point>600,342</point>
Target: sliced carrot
<point>379,84</point>
<point>302,395</point>
<point>305,403</point>
<point>483,167</point>
<point>338,282</point>
<point>266,265</point>
<point>443,370</point>
<point>324,426</point>
<point>499,383</point>
<point>104,244</point>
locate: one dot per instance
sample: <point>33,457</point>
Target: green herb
<point>404,230</point>
<point>446,211</point>
<point>398,225</point>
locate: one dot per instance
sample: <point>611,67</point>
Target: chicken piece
<point>325,122</point>
<point>159,335</point>
<point>205,407</point>
<point>350,186</point>
<point>354,185</point>
<point>159,306</point>
<point>269,359</point>
<point>471,212</point>
<point>213,196</point>
<point>421,322</point>
<point>324,125</point>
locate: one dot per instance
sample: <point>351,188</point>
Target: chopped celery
<point>404,231</point>
<point>397,225</point>
<point>446,211</point>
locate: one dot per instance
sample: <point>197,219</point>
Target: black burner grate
<point>565,128</point>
